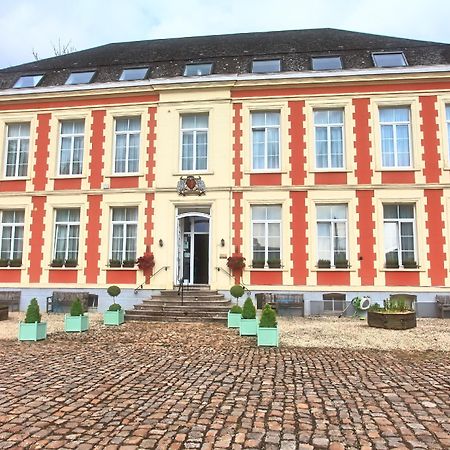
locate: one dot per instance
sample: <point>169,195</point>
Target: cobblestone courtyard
<point>202,386</point>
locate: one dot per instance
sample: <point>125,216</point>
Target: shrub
<point>115,307</point>
<point>33,313</point>
<point>236,309</point>
<point>268,318</point>
<point>237,291</point>
<point>76,309</point>
<point>113,291</point>
<point>249,310</point>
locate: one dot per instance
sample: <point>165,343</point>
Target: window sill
<point>330,170</point>
<point>192,172</point>
<point>68,177</point>
<point>397,169</point>
<point>12,268</point>
<point>333,269</point>
<point>264,171</point>
<point>64,268</point>
<point>125,175</point>
<point>16,178</point>
<point>120,268</point>
<point>402,269</point>
<point>251,269</point>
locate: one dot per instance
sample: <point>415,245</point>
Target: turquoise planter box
<point>268,337</point>
<point>248,327</point>
<point>114,317</point>
<point>75,324</point>
<point>32,331</point>
<point>234,320</point>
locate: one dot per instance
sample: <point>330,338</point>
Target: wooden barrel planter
<point>392,320</point>
<point>4,312</point>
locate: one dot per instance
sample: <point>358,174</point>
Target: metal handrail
<point>224,271</point>
<point>181,289</point>
<point>141,286</point>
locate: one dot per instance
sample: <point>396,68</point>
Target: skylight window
<point>80,77</point>
<point>326,63</point>
<point>395,59</point>
<point>27,81</point>
<point>266,66</point>
<point>192,70</point>
<point>136,73</point>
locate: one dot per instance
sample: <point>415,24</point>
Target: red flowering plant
<point>146,261</point>
<point>236,262</point>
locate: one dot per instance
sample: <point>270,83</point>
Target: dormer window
<point>266,66</point>
<point>80,77</point>
<point>326,63</point>
<point>136,73</point>
<point>393,59</point>
<point>27,81</point>
<point>194,70</point>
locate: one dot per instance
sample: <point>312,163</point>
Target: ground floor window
<point>11,234</point>
<point>67,235</point>
<point>124,234</point>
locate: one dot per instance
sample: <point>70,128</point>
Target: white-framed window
<point>127,137</point>
<point>17,145</point>
<point>399,235</point>
<point>67,234</point>
<point>266,140</point>
<point>266,235</point>
<point>332,235</point>
<point>71,146</point>
<point>395,127</point>
<point>447,119</point>
<point>194,141</point>
<point>124,234</point>
<point>329,138</point>
<point>11,232</point>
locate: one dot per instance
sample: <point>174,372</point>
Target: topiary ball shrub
<point>237,291</point>
<point>113,291</point>
<point>33,314</point>
<point>115,307</point>
<point>76,309</point>
<point>236,309</point>
<point>249,310</point>
<point>268,318</point>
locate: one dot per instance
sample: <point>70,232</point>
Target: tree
<point>59,48</point>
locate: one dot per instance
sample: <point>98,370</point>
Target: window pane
<point>80,77</point>
<point>258,212</point>
<point>390,237</point>
<point>28,81</point>
<point>389,59</point>
<point>272,65</point>
<point>390,211</point>
<point>197,70</point>
<point>273,212</point>
<point>133,74</point>
<point>406,211</point>
<point>326,63</point>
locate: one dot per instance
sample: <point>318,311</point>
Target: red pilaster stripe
<point>366,238</point>
<point>297,145</point>
<point>36,239</point>
<point>299,240</point>
<point>42,143</point>
<point>436,240</point>
<point>430,141</point>
<point>93,228</point>
<point>149,222</point>
<point>237,144</point>
<point>96,150</point>
<point>237,223</point>
<point>151,149</point>
<point>361,116</point>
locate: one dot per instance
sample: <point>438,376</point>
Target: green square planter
<point>75,324</point>
<point>234,320</point>
<point>32,331</point>
<point>268,337</point>
<point>248,327</point>
<point>114,317</point>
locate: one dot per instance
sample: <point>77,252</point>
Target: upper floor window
<point>67,235</point>
<point>332,235</point>
<point>71,147</point>
<point>11,235</point>
<point>192,70</point>
<point>326,62</point>
<point>447,112</point>
<point>17,148</point>
<point>266,236</point>
<point>194,142</point>
<point>399,235</point>
<point>80,77</point>
<point>266,65</point>
<point>127,136</point>
<point>395,136</point>
<point>27,81</point>
<point>392,59</point>
<point>138,73</point>
<point>124,234</point>
<point>266,140</point>
<point>329,138</point>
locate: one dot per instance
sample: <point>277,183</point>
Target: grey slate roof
<point>230,54</point>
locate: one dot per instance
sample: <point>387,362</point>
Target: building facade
<point>320,156</point>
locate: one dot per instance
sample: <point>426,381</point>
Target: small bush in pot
<point>71,263</point>
<point>268,329</point>
<point>32,329</point>
<point>76,321</point>
<point>248,324</point>
<point>17,262</point>
<point>234,316</point>
<point>57,263</point>
<point>324,264</point>
<point>115,314</point>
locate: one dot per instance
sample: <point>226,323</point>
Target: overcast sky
<point>34,25</point>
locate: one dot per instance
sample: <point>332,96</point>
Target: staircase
<point>199,305</point>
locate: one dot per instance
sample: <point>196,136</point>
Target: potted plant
<point>32,329</point>
<point>393,315</point>
<point>237,291</point>
<point>324,264</point>
<point>115,263</point>
<point>391,261</point>
<point>57,262</point>
<point>409,264</point>
<point>267,333</point>
<point>234,316</point>
<point>236,262</point>
<point>258,263</point>
<point>4,262</point>
<point>128,263</point>
<point>71,263</point>
<point>248,324</point>
<point>115,314</point>
<point>341,262</point>
<point>146,261</point>
<point>16,262</point>
<point>274,263</point>
<point>76,321</point>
